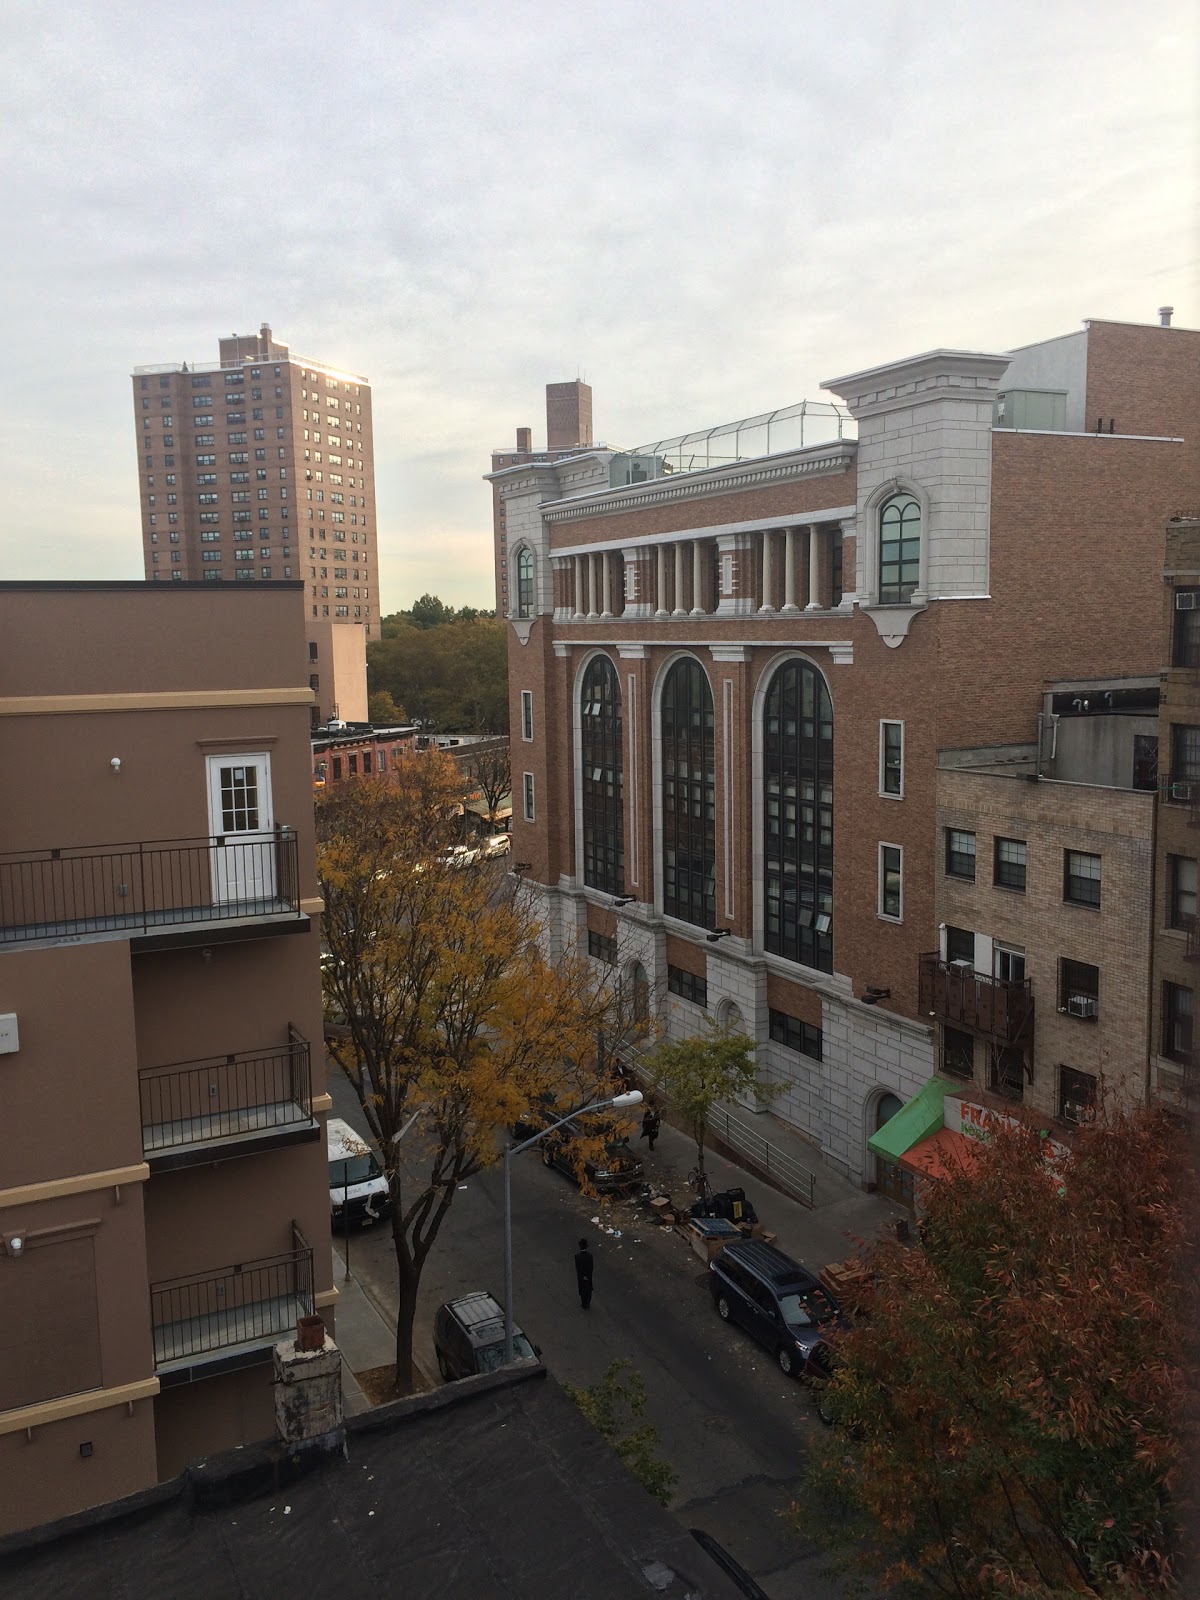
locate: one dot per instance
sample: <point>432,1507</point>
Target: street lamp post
<point>632,1098</point>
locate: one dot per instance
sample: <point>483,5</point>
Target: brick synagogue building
<point>884,749</point>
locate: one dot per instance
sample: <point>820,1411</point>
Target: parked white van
<point>357,1185</point>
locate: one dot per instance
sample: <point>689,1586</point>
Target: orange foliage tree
<point>1014,1402</point>
<point>451,1021</point>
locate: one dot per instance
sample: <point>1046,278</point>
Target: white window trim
<point>886,916</point>
<point>528,797</point>
<point>890,722</point>
<point>527,715</point>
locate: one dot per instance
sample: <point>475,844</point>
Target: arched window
<point>689,796</point>
<point>525,582</point>
<point>899,549</point>
<point>798,816</point>
<point>603,799</point>
<point>641,994</point>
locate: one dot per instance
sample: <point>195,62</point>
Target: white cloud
<point>704,209</point>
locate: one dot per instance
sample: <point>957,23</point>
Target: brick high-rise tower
<point>260,465</point>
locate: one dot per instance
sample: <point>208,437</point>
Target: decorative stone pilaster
<point>736,565</point>
<point>639,577</point>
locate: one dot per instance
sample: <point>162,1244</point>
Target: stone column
<point>814,570</point>
<point>606,565</point>
<point>789,573</point>
<point>768,543</point>
<point>698,579</point>
<point>592,585</point>
<point>579,586</point>
<point>680,610</point>
<point>661,597</point>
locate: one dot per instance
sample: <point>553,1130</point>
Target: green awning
<point>917,1120</point>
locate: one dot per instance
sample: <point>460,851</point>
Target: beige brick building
<point>748,702</point>
<point>164,1203</point>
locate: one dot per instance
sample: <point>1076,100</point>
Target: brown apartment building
<point>164,1209</point>
<point>260,467</point>
<point>854,745</point>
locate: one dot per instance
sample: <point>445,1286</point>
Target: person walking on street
<point>584,1262</point>
<point>650,1126</point>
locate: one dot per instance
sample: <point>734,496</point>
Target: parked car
<point>497,844</point>
<point>468,1337</point>
<point>618,1168</point>
<point>356,1180</point>
<point>460,855</point>
<point>779,1302</point>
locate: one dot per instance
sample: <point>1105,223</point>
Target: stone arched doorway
<point>890,1178</point>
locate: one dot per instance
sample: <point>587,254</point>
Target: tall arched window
<point>798,816</point>
<point>603,800</point>
<point>525,582</point>
<point>899,549</point>
<point>689,796</point>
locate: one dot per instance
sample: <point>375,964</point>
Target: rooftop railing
<point>153,887</point>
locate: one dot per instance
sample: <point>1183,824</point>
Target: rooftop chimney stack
<point>1165,313</point>
<point>525,441</point>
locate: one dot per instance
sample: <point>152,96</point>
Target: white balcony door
<point>240,815</point>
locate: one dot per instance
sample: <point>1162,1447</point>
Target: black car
<point>618,1168</point>
<point>775,1299</point>
<point>468,1337</point>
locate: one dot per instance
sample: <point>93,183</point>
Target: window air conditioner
<point>1186,600</point>
<point>1075,1111</point>
<point>1082,1005</point>
<point>1181,791</point>
<point>962,966</point>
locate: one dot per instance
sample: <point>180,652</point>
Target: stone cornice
<point>784,468</point>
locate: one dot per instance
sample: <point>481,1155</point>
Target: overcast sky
<point>703,209</point>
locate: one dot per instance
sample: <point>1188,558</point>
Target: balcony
<point>157,894</point>
<point>993,1007</point>
<point>218,1321</point>
<point>227,1106</point>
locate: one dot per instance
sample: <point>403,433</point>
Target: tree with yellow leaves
<point>454,1023</point>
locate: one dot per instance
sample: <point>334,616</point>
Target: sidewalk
<point>365,1336</point>
<point>831,1230</point>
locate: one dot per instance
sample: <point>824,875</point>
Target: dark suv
<point>774,1298</point>
<point>468,1337</point>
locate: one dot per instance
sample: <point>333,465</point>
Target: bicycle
<point>699,1184</point>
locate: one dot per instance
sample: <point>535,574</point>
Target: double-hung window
<point>891,759</point>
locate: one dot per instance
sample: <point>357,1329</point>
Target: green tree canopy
<point>451,676</point>
<point>696,1074</point>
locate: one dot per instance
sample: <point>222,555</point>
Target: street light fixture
<point>632,1097</point>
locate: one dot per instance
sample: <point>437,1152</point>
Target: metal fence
<point>237,1305</point>
<point>250,1091</point>
<point>50,894</point>
<point>744,1142</point>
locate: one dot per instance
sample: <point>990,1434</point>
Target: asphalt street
<point>736,1431</point>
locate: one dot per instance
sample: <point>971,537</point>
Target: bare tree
<point>492,773</point>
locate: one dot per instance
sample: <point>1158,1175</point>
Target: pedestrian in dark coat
<point>584,1262</point>
<point>650,1126</point>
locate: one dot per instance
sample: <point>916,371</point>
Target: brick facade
<point>1040,564</point>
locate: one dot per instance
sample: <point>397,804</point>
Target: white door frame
<point>245,872</point>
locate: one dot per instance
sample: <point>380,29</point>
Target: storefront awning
<point>919,1119</point>
<point>944,1154</point>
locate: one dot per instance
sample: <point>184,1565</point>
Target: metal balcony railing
<point>225,1097</point>
<point>234,1309</point>
<point>146,888</point>
<point>994,1007</point>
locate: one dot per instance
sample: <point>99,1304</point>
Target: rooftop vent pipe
<point>1165,314</point>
